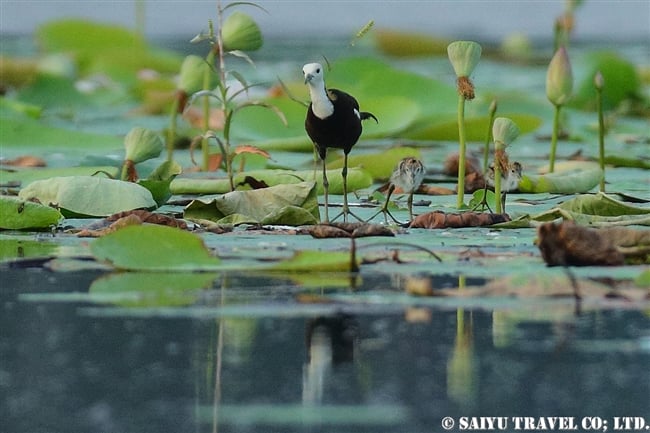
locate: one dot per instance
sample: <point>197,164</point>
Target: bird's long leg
<point>346,208</point>
<point>410,205</point>
<point>384,208</point>
<point>326,185</point>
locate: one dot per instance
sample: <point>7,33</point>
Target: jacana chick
<point>333,120</point>
<point>408,176</point>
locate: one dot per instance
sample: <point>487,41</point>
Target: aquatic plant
<point>464,56</point>
<point>140,144</point>
<point>559,85</point>
<point>504,132</point>
<point>235,34</point>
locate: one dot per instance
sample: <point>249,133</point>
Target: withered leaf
<point>568,244</point>
<point>442,220</point>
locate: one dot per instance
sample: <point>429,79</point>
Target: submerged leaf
<point>154,248</point>
<point>18,214</point>
<point>88,195</point>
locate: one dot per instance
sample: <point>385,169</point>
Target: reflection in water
<point>69,369</point>
<point>330,341</point>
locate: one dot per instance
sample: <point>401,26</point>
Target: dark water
<point>67,368</point>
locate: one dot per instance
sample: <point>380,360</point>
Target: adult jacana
<point>333,120</point>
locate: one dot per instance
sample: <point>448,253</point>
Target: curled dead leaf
<point>441,220</point>
<point>568,244</point>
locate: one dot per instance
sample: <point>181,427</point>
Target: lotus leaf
<point>88,195</point>
<point>154,248</point>
<point>17,214</point>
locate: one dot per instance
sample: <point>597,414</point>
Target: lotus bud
<point>504,131</point>
<point>464,56</point>
<point>142,144</point>
<point>193,71</point>
<point>559,78</point>
<point>240,32</point>
<point>599,81</point>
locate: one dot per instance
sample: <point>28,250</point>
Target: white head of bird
<point>315,79</point>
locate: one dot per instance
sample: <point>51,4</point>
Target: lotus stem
<point>497,181</point>
<point>554,135</point>
<point>171,131</point>
<point>461,153</point>
<point>488,139</point>
<point>599,84</point>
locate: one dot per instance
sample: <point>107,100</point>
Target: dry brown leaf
<point>441,220</point>
<point>26,161</point>
<point>568,244</point>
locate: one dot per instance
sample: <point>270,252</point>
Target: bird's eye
<point>318,71</point>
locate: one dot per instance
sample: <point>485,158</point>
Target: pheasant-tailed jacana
<point>407,176</point>
<point>333,120</point>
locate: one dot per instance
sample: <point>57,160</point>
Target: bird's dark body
<point>342,129</point>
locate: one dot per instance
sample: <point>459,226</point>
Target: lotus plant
<point>235,35</point>
<point>559,85</point>
<point>504,132</point>
<point>140,144</point>
<point>190,81</point>
<point>464,56</point>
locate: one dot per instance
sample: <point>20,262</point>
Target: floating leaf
<point>568,178</point>
<point>159,181</point>
<point>357,179</point>
<point>316,261</point>
<point>291,204</point>
<point>379,165</point>
<point>620,76</point>
<point>154,248</point>
<point>17,214</point>
<point>88,195</point>
<point>446,127</point>
<point>150,289</point>
<point>26,176</point>
<point>601,204</point>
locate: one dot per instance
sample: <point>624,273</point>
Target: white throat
<point>320,103</point>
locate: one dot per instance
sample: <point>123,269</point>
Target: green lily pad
<point>379,165</point>
<point>28,175</point>
<point>357,179</point>
<point>19,214</point>
<point>291,204</point>
<point>569,178</point>
<point>620,76</point>
<point>154,248</point>
<point>446,127</point>
<point>601,204</point>
<point>104,48</point>
<point>316,261</point>
<point>160,179</point>
<point>89,196</point>
<point>150,289</point>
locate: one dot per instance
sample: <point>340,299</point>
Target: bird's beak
<point>308,78</point>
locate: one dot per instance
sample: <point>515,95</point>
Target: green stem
<point>497,182</point>
<point>171,131</point>
<point>205,145</point>
<point>601,137</point>
<point>461,153</point>
<point>556,128</point>
<point>488,139</point>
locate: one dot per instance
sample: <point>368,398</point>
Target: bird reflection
<point>330,341</point>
